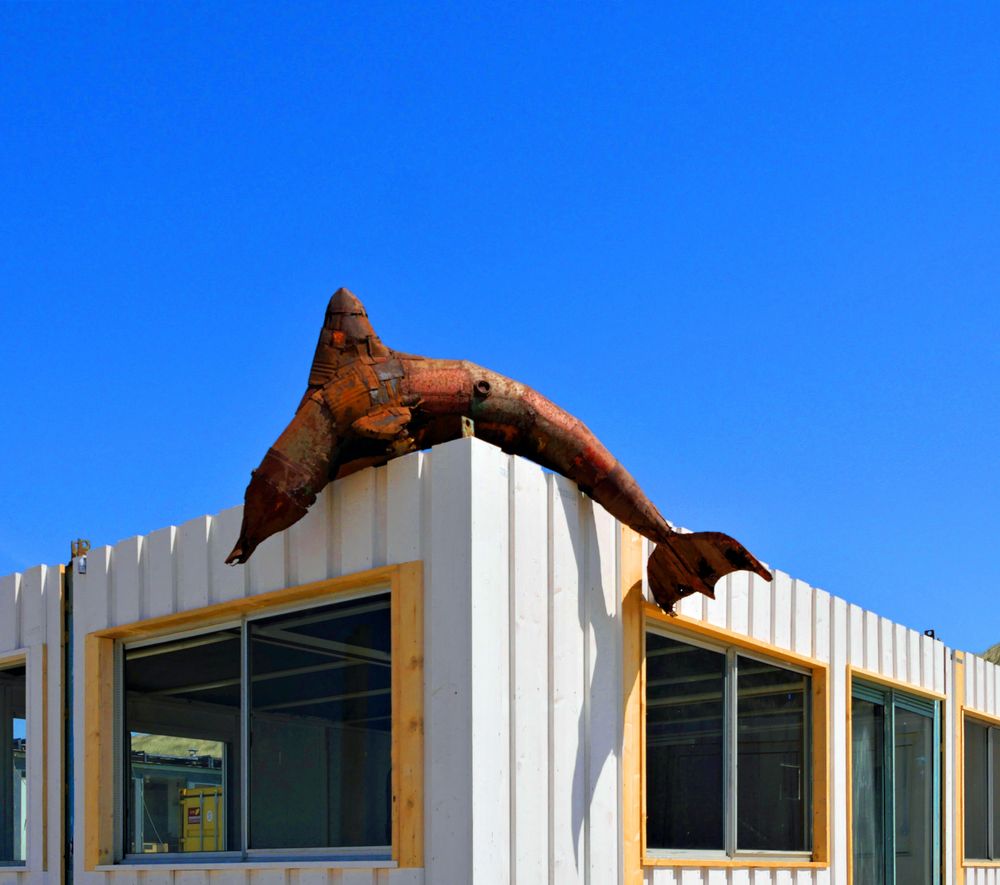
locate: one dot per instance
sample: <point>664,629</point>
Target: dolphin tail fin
<point>688,563</point>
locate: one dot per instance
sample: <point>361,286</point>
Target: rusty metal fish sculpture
<point>367,404</point>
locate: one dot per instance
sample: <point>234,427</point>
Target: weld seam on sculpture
<point>367,404</point>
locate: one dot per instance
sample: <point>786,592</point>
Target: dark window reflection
<point>684,745</point>
<point>321,727</point>
<point>13,770</point>
<point>995,798</point>
<point>913,780</point>
<point>868,791</point>
<point>976,790</point>
<point>773,758</point>
<point>182,726</point>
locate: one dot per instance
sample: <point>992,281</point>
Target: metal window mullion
<point>991,847</point>
<point>6,776</point>
<point>121,751</point>
<point>807,769</point>
<point>730,756</point>
<point>244,773</point>
<point>936,795</point>
<point>889,787</point>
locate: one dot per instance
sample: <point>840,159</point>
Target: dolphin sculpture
<point>366,404</point>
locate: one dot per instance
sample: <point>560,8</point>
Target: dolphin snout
<point>241,552</point>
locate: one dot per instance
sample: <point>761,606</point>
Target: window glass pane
<point>995,771</point>
<point>321,726</point>
<point>182,739</point>
<point>13,775</point>
<point>976,785</point>
<point>772,773</point>
<point>868,791</point>
<point>913,782</point>
<point>684,745</point>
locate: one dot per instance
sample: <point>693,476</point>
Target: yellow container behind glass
<point>201,819</point>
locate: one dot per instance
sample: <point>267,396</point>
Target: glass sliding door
<point>895,790</point>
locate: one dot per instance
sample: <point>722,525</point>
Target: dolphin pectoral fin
<point>389,423</point>
<point>693,563</point>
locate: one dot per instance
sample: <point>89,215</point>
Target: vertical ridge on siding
<point>226,582</point>
<point>160,584</point>
<point>490,643</point>
<point>837,701</point>
<point>603,679</point>
<point>801,617</point>
<point>380,526</point>
<point>781,610</point>
<point>306,559</point>
<point>760,608</point>
<point>193,568</point>
<point>404,508</point>
<point>10,591</point>
<point>31,605</point>
<point>357,531</point>
<point>266,568</point>
<point>529,643</point>
<point>569,816</point>
<point>448,707</point>
<point>716,610</point>
<point>129,569</point>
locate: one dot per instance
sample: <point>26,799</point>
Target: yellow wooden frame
<point>637,615</point>
<point>405,583</point>
<point>965,713</point>
<point>910,688</point>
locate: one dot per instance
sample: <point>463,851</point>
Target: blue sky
<point>754,246</point>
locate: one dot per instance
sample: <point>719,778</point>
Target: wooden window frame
<point>637,616</point>
<point>990,721</point>
<point>405,585</point>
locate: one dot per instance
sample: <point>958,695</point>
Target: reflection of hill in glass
<point>178,747</point>
<point>992,654</point>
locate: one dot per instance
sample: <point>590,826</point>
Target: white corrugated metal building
<point>448,673</point>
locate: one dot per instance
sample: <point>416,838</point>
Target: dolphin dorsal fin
<point>346,332</point>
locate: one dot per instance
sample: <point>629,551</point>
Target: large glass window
<point>982,791</point>
<point>13,766</point>
<point>728,761</point>
<point>268,734</point>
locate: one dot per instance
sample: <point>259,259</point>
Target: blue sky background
<point>754,246</point>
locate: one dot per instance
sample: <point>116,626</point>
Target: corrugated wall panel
<point>10,620</point>
<point>568,668</point>
<point>603,683</point>
<point>529,570</point>
<point>30,629</point>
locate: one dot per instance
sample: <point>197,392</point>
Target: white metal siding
<point>523,650</point>
<point>30,624</point>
